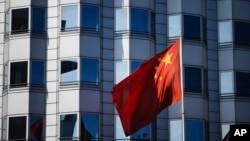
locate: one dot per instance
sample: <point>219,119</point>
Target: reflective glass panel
<point>139,20</point>
<point>192,27</point>
<point>174,26</point>
<point>38,20</point>
<point>69,70</point>
<point>90,71</point>
<point>68,127</point>
<point>36,128</point>
<point>37,73</point>
<point>226,83</point>
<point>121,70</point>
<point>121,19</point>
<point>135,65</point>
<point>224,130</point>
<point>225,32</point>
<point>194,130</point>
<point>17,128</point>
<point>69,19</point>
<point>143,134</point>
<point>89,127</point>
<point>7,22</point>
<point>20,20</point>
<point>193,79</point>
<point>18,74</point>
<point>119,133</point>
<point>175,130</point>
<point>90,18</point>
<point>241,33</point>
<point>243,83</point>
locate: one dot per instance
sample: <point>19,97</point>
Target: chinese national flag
<point>152,87</point>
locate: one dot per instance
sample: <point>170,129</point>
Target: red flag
<point>152,87</point>
<point>37,129</point>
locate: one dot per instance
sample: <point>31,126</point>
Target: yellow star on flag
<point>167,60</point>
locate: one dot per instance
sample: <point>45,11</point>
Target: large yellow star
<point>167,60</point>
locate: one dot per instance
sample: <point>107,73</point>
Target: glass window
<point>69,70</point>
<point>69,19</point>
<point>121,70</point>
<point>139,20</point>
<point>121,19</point>
<point>20,20</point>
<point>89,127</point>
<point>194,130</point>
<point>37,73</point>
<point>38,20</point>
<point>241,31</point>
<point>193,79</point>
<point>143,134</point>
<point>192,27</point>
<point>18,74</point>
<point>175,130</point>
<point>90,18</point>
<point>17,128</point>
<point>68,127</point>
<point>226,83</point>
<point>119,133</point>
<point>4,130</point>
<point>135,65</point>
<point>243,83</point>
<point>7,22</point>
<point>225,32</point>
<point>174,26</point>
<point>36,128</point>
<point>224,130</point>
<point>90,71</point>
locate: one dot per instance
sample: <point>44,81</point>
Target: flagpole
<point>182,92</point>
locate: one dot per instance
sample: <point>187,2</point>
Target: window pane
<point>121,17</point>
<point>4,130</point>
<point>20,20</point>
<point>121,71</point>
<point>37,73</point>
<point>226,83</point>
<point>225,32</point>
<point>90,17</point>
<point>135,65</point>
<point>175,130</point>
<point>119,133</point>
<point>18,74</point>
<point>174,26</point>
<point>142,134</point>
<point>242,30</point>
<point>17,128</point>
<point>7,22</point>
<point>139,20</point>
<point>38,20</point>
<point>90,71</point>
<point>194,130</point>
<point>69,17</point>
<point>36,128</point>
<point>224,130</point>
<point>243,83</point>
<point>69,71</point>
<point>89,127</point>
<point>68,127</point>
<point>192,27</point>
<point>193,79</point>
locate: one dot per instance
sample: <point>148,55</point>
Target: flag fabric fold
<point>155,85</point>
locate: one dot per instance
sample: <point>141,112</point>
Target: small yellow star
<point>167,60</point>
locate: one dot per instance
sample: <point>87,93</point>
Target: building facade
<point>59,60</point>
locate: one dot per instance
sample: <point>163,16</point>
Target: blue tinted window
<point>68,127</point>
<point>36,128</point>
<point>37,73</point>
<point>194,130</point>
<point>193,79</point>
<point>69,19</point>
<point>139,20</point>
<point>135,65</point>
<point>121,19</point>
<point>89,127</point>
<point>90,71</point>
<point>225,32</point>
<point>174,26</point>
<point>38,20</point>
<point>192,27</point>
<point>241,31</point>
<point>142,134</point>
<point>20,20</point>
<point>90,17</point>
<point>243,83</point>
<point>69,71</point>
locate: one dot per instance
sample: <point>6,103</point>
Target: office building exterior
<point>59,60</point>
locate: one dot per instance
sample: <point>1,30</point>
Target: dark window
<point>37,73</point>
<point>241,33</point>
<point>195,130</point>
<point>90,18</point>
<point>192,27</point>
<point>17,128</point>
<point>89,127</point>
<point>242,84</point>
<point>38,20</point>
<point>20,20</point>
<point>69,19</point>
<point>68,127</point>
<point>139,20</point>
<point>90,71</point>
<point>69,70</point>
<point>193,79</point>
<point>18,74</point>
